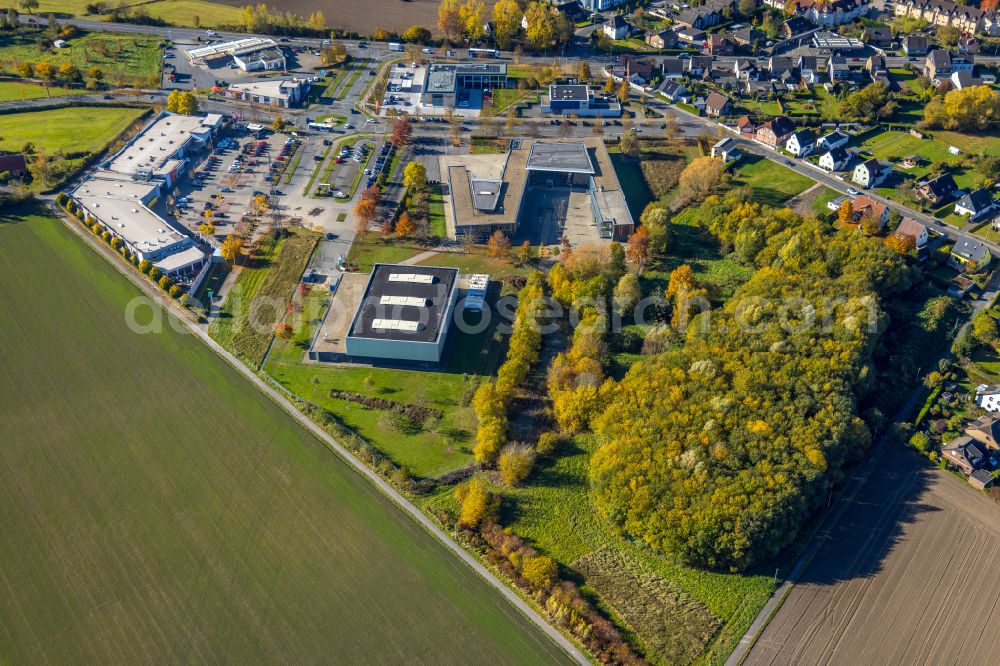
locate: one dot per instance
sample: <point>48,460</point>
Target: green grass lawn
<point>51,130</point>
<point>13,91</point>
<point>177,12</point>
<point>694,246</point>
<point>986,231</point>
<point>826,196</point>
<point>553,513</point>
<point>477,262</point>
<point>245,324</point>
<point>772,183</point>
<point>435,213</point>
<point>159,508</point>
<point>128,59</point>
<point>371,248</point>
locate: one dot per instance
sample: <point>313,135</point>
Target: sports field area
<point>158,508</point>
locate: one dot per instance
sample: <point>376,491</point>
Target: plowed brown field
<point>904,579</point>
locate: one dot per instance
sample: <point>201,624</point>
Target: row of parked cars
<point>381,164</point>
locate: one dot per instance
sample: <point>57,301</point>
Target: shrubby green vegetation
<point>718,452</point>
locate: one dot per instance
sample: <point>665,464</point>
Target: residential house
<point>691,35</point>
<point>836,203</point>
<point>834,159</point>
<point>727,150</point>
<point>721,45</point>
<point>970,255</point>
<point>965,453</point>
<point>601,5</point>
<point>744,69</point>
<point>674,91</point>
<point>876,68</point>
<point>717,104</point>
<point>775,132</point>
<point>966,18</point>
<point>871,173</point>
<point>877,36</point>
<point>981,479</point>
<point>779,65</point>
<point>866,208</point>
<point>975,204</point>
<point>936,190</point>
<point>941,63</point>
<point>697,65</point>
<point>988,397</point>
<point>838,69</point>
<point>801,143</point>
<point>672,68</point>
<point>748,37</point>
<point>985,430</point>
<point>968,44</point>
<point>664,39</point>
<point>829,13</point>
<point>911,162</point>
<point>617,27</point>
<point>705,15</point>
<point>915,45</point>
<point>963,79</point>
<point>910,228</point>
<point>808,67</point>
<point>834,139</point>
<point>744,126</point>
<point>796,26</point>
<point>15,165</point>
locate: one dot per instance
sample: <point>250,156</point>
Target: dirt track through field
<point>364,17</point>
<point>903,580</point>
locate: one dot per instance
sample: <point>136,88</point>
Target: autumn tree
<point>231,248</point>
<point>506,22</point>
<point>415,175</point>
<point>699,179</point>
<point>472,14</point>
<point>584,71</point>
<point>450,20</point>
<point>540,571</point>
<point>498,245</point>
<point>365,210</point>
<point>655,219</point>
<point>637,248</point>
<point>283,330</point>
<point>405,226</point>
<point>541,21</point>
<point>44,70</point>
<point>207,228</point>
<point>416,34</point>
<point>975,107</point>
<point>24,69</point>
<point>402,132</point>
<point>476,502</point>
<point>628,144</point>
<point>491,414</point>
<point>624,89</point>
<point>846,212</point>
<point>627,292</point>
<point>515,463</point>
<point>900,244</point>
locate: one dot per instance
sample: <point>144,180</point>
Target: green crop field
<point>177,12</point>
<point>158,508</point>
<point>13,91</point>
<point>51,130</point>
<point>124,58</point>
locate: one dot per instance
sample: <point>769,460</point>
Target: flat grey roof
<point>572,92</point>
<point>442,77</point>
<point>388,296</point>
<point>485,193</point>
<point>564,156</point>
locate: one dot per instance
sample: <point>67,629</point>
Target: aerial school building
<point>485,197</point>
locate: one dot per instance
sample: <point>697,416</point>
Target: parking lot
<point>229,178</point>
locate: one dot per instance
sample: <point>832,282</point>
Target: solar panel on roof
<point>420,278</point>
<point>395,325</point>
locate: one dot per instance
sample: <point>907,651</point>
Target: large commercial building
<point>284,93</point>
<point>120,194</point>
<point>578,99</point>
<point>481,204</point>
<point>404,314</point>
<point>456,85</point>
<point>249,54</point>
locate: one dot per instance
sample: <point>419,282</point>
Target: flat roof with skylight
<point>404,314</point>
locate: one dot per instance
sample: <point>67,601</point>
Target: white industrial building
<point>119,195</point>
<point>404,314</point>
<point>249,54</point>
<point>284,93</point>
